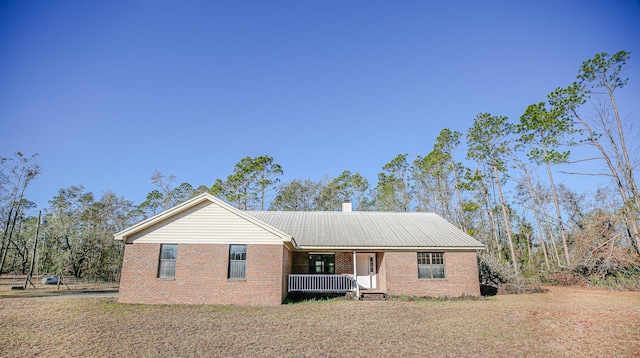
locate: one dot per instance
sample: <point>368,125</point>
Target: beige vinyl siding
<point>206,223</point>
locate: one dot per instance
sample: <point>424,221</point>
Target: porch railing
<point>321,283</point>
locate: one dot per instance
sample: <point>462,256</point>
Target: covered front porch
<point>337,272</point>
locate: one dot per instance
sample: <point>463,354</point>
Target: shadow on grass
<point>486,290</point>
<point>299,297</point>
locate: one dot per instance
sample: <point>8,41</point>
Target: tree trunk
<point>563,235</point>
<point>628,168</point>
<point>628,171</point>
<point>534,202</point>
<point>553,241</point>
<point>461,220</point>
<point>506,221</point>
<point>492,220</point>
<point>629,207</point>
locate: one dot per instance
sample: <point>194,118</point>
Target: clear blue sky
<point>109,91</point>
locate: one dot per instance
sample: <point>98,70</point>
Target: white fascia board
<point>389,248</point>
<point>214,242</point>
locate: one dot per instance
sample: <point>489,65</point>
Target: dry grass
<point>567,322</point>
<point>71,284</point>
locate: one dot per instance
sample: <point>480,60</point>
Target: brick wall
<point>300,262</point>
<point>287,266</point>
<point>201,276</point>
<point>461,271</point>
<point>344,263</point>
<point>382,271</point>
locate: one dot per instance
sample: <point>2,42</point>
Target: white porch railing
<point>321,283</point>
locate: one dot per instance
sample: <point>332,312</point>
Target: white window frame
<point>237,263</point>
<point>431,260</point>
<point>166,263</point>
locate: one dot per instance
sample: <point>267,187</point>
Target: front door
<point>366,270</point>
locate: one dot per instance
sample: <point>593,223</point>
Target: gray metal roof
<point>367,229</point>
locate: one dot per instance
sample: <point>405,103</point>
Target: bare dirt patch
<point>566,322</point>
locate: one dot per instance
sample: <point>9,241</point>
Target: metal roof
<point>367,229</point>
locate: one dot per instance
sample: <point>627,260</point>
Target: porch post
<point>355,277</point>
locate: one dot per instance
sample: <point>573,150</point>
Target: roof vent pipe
<point>346,207</point>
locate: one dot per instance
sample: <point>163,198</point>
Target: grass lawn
<point>567,322</point>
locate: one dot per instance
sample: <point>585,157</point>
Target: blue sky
<point>108,92</point>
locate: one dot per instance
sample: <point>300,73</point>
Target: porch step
<point>373,296</point>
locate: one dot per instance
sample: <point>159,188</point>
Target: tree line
<point>502,190</point>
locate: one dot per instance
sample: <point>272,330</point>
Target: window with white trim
<point>430,265</point>
<point>237,261</point>
<point>167,262</point>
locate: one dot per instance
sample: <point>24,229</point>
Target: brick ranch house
<point>204,251</point>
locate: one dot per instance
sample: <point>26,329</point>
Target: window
<point>322,264</point>
<point>167,264</point>
<point>237,261</point>
<point>430,265</point>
